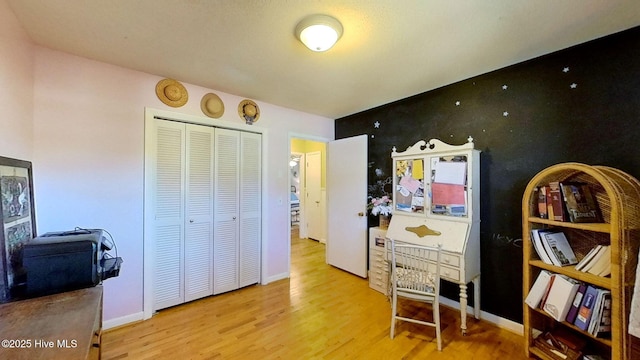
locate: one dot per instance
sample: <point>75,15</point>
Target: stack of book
<point>597,261</point>
<point>553,247</point>
<point>566,299</point>
<point>568,201</point>
<point>560,344</point>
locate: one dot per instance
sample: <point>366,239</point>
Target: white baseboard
<point>124,320</point>
<point>276,277</point>
<point>500,322</point>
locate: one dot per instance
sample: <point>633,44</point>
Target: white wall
<point>86,142</point>
<point>16,82</point>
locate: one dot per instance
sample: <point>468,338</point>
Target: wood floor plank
<point>319,313</point>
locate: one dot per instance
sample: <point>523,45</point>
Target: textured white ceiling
<point>390,49</point>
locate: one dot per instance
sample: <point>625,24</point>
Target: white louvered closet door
<point>205,200</point>
<point>226,207</point>
<point>198,243</point>
<point>250,208</point>
<point>168,207</point>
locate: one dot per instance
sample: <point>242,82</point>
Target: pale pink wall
<point>89,160</point>
<point>16,86</point>
<point>81,123</point>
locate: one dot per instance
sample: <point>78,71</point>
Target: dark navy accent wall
<point>580,104</point>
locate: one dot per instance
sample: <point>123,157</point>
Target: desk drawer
<point>379,275</point>
<point>450,273</point>
<point>379,280</point>
<point>378,270</point>
<point>450,259</point>
<point>446,272</point>
<point>377,252</point>
<point>378,263</point>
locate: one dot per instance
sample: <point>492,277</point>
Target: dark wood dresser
<point>61,326</point>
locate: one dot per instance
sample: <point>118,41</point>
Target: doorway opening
<point>307,181</point>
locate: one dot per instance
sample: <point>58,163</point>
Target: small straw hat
<point>211,105</point>
<point>249,111</point>
<point>171,92</point>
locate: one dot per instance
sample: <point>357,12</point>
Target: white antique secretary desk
<point>436,201</point>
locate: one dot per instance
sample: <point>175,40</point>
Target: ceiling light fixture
<point>319,32</point>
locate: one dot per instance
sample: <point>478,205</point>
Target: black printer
<point>67,260</point>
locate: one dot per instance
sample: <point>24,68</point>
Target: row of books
<point>562,344</point>
<point>568,201</point>
<point>566,299</point>
<point>597,261</point>
<point>559,343</point>
<point>553,248</point>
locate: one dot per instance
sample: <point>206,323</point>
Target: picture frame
<point>17,216</point>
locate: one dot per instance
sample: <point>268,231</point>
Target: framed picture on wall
<point>17,216</point>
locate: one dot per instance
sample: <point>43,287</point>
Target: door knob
<point>191,221</point>
<point>361,214</point>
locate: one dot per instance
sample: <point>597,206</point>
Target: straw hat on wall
<point>171,92</point>
<point>212,106</point>
<point>249,111</point>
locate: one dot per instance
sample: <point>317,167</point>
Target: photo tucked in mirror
<point>409,194</point>
<point>448,189</point>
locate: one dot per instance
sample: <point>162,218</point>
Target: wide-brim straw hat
<point>211,105</point>
<point>248,109</point>
<point>171,92</point>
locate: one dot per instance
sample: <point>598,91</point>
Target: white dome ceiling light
<point>319,32</point>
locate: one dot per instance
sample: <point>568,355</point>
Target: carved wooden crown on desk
<point>433,145</point>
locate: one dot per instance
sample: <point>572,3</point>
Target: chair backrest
<point>415,268</point>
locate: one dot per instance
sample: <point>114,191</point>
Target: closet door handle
<point>234,218</point>
<point>191,221</point>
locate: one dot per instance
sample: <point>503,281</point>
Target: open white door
<point>346,204</point>
<point>314,203</point>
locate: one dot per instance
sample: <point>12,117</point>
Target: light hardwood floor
<point>319,313</point>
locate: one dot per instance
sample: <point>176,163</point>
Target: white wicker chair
<point>413,277</point>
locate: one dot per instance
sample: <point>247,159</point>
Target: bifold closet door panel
<point>206,190</point>
<point>226,210</point>
<point>198,244</point>
<point>168,188</point>
<point>250,208</point>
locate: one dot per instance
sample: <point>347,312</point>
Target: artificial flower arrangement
<point>380,206</point>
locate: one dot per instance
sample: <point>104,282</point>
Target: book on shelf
<point>607,270</point>
<point>587,258</point>
<point>538,290</point>
<point>601,264</point>
<point>593,357</point>
<point>560,297</point>
<point>569,338</point>
<point>550,345</point>
<point>580,203</point>
<point>539,247</point>
<point>575,305</point>
<point>547,194</point>
<point>542,202</point>
<point>598,308</point>
<point>558,248</point>
<point>557,202</point>
<point>586,308</point>
<point>546,292</point>
<point>604,326</point>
